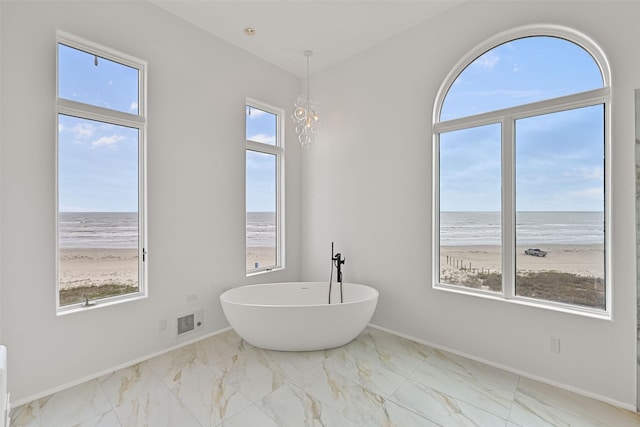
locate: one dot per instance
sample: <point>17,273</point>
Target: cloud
<point>587,173</point>
<point>134,106</point>
<point>261,137</point>
<point>520,93</point>
<point>107,141</point>
<point>591,193</point>
<point>83,130</point>
<point>487,61</point>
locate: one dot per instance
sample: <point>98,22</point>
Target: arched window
<point>520,161</point>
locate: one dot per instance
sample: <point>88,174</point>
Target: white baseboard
<point>113,369</point>
<point>529,375</point>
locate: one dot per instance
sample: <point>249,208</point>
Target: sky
<point>261,126</point>
<point>97,162</point>
<point>559,158</point>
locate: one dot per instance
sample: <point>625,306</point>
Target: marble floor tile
<point>158,408</point>
<point>289,364</point>
<point>395,415</point>
<point>171,367</point>
<point>537,404</point>
<point>344,396</point>
<point>473,370</point>
<point>389,351</point>
<point>442,408</point>
<point>129,383</point>
<point>252,416</point>
<point>468,382</point>
<point>249,374</point>
<point>364,372</point>
<point>377,380</point>
<point>220,347</point>
<point>108,419</point>
<point>291,406</point>
<point>205,393</point>
<point>74,405</point>
<point>27,415</point>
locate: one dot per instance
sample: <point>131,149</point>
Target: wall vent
<point>189,323</point>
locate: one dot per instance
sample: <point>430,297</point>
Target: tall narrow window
<point>520,158</point>
<point>264,165</point>
<point>100,167</point>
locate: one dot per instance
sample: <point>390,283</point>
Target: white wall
<point>1,186</point>
<point>367,185</point>
<point>197,87</point>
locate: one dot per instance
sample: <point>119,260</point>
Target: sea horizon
<point>474,228</point>
<point>119,230</point>
<point>457,228</point>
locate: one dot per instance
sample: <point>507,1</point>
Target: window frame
<point>95,113</point>
<point>507,118</point>
<point>277,149</point>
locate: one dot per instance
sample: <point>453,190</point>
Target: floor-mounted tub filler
<point>296,316</point>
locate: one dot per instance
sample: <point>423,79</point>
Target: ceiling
<point>333,30</point>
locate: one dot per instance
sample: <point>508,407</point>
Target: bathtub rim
<point>375,295</point>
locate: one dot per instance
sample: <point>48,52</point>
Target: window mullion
<point>508,207</point>
<point>100,114</point>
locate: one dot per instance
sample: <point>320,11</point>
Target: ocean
<point>105,230</point>
<point>120,230</point>
<point>261,229</point>
<point>109,230</point>
<point>532,228</point>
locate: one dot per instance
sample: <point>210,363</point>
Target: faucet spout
<point>339,262</point>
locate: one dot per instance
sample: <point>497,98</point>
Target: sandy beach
<point>263,255</point>
<point>584,260</point>
<point>94,267</point>
<point>572,274</point>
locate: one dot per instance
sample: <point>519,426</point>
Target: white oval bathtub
<point>296,316</point>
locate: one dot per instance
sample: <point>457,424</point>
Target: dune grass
<point>75,295</point>
<point>555,286</point>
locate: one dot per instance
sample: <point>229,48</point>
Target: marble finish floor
<point>379,379</point>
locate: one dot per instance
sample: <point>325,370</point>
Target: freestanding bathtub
<point>296,316</point>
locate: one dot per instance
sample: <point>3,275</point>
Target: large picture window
<point>264,170</point>
<point>100,175</point>
<point>520,161</point>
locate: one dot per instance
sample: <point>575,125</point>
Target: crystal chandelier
<point>305,119</point>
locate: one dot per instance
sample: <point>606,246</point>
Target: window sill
<point>106,302</point>
<point>258,272</point>
<point>529,302</point>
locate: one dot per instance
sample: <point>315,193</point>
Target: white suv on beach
<point>535,252</point>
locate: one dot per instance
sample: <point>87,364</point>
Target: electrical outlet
<point>554,345</point>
